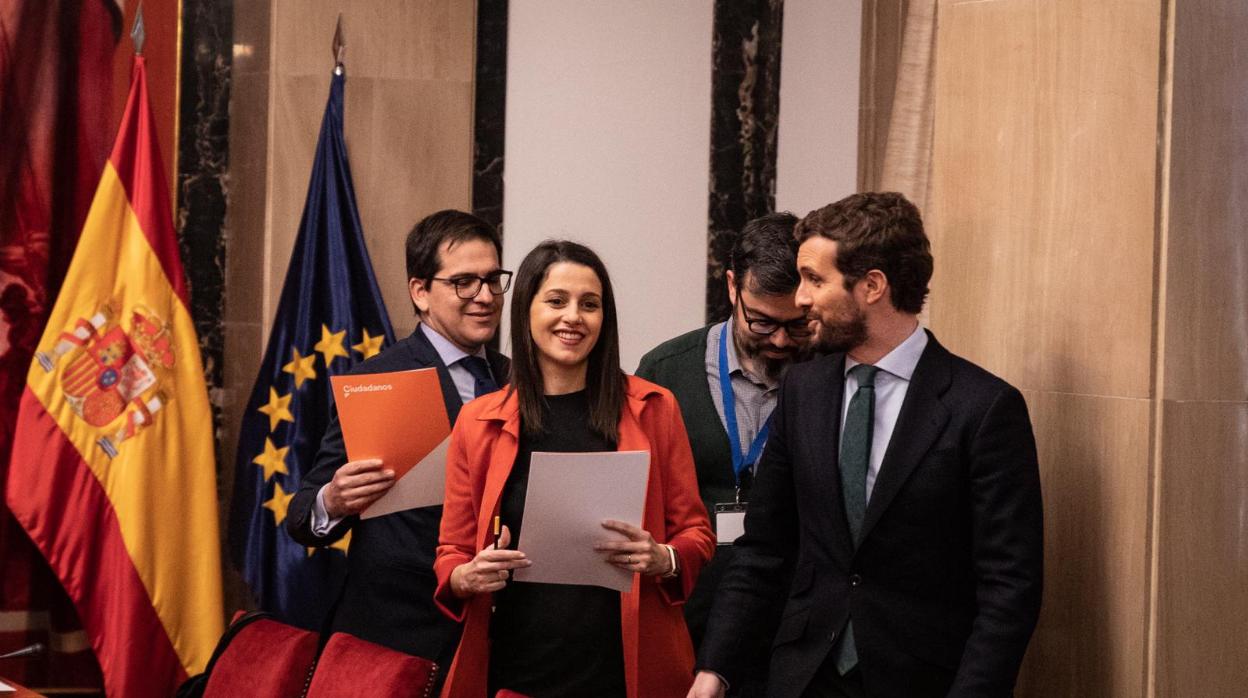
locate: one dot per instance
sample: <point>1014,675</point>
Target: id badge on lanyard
<point>730,516</point>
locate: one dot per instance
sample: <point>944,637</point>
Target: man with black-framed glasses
<point>456,285</point>
<point>726,378</point>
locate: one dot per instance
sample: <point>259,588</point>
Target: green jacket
<point>679,365</point>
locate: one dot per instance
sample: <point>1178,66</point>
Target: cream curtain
<point>908,152</point>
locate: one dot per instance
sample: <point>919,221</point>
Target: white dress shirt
<point>891,384</point>
<point>465,384</point>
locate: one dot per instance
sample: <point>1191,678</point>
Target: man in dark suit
<point>766,333</point>
<point>899,488</point>
<point>456,286</point>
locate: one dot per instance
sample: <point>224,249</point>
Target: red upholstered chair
<point>350,667</point>
<point>261,657</point>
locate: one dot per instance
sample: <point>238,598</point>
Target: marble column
<point>203,159</point>
<point>745,110</point>
<point>490,111</point>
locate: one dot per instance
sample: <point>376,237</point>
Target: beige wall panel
<point>1043,190</point>
<point>298,103</point>
<point>1094,471</point>
<point>1202,586</point>
<point>400,39</point>
<point>1207,278</point>
<point>252,38</point>
<point>408,123</point>
<point>410,143</point>
<point>246,263</point>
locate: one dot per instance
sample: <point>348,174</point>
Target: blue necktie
<point>854,463</point>
<point>480,370</point>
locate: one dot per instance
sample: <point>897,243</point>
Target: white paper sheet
<point>422,486</point>
<point>569,496</point>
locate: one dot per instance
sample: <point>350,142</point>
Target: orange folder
<point>399,417</point>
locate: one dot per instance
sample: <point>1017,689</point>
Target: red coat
<point>482,450</point>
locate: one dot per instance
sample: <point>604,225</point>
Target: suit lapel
<point>424,353</point>
<point>921,420</point>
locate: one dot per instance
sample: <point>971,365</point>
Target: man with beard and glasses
<point>897,511</point>
<point>725,378</point>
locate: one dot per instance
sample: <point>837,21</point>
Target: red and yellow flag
<point>113,473</point>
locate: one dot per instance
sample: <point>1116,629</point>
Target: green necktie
<point>854,463</point>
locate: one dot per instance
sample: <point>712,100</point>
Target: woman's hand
<point>489,570</point>
<point>637,554</point>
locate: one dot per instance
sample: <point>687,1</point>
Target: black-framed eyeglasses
<point>467,286</point>
<point>766,326</point>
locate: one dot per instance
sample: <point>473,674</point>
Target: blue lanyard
<point>740,461</point>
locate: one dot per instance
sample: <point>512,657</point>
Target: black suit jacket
<point>388,594</point>
<point>944,588</point>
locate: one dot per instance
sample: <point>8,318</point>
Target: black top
<point>554,639</point>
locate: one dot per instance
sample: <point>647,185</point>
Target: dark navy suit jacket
<point>388,594</point>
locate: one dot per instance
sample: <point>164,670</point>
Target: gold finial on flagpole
<point>340,47</point>
<point>137,34</point>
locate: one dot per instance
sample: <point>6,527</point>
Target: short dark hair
<point>766,250</point>
<point>877,230</point>
<point>604,381</point>
<point>452,226</point>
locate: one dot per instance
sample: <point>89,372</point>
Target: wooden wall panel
<point>1202,505</point>
<point>408,122</point>
<point>1043,221</point>
<point>1042,216</point>
<point>1092,632</point>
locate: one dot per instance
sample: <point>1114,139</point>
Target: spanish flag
<point>112,473</point>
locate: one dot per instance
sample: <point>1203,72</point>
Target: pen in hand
<point>498,529</point>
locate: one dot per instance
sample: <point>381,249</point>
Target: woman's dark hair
<point>604,381</point>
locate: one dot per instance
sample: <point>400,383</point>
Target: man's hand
<point>489,570</point>
<point>707,685</point>
<point>355,486</point>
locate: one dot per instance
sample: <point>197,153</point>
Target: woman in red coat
<point>567,393</point>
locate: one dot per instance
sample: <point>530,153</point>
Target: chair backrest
<point>262,657</point>
<point>351,667</point>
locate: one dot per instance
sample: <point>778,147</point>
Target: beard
<point>843,333</point>
<point>772,367</point>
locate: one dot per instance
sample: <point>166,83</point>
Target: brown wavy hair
<point>877,230</point>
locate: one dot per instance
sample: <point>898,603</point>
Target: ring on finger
<point>630,559</point>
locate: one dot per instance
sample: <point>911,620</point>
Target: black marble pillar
<point>745,110</point>
<point>203,158</point>
<point>490,110</point>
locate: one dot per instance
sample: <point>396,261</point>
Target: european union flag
<point>330,317</point>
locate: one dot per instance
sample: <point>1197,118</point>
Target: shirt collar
<point>448,352</point>
<point>734,362</point>
<point>903,359</point>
